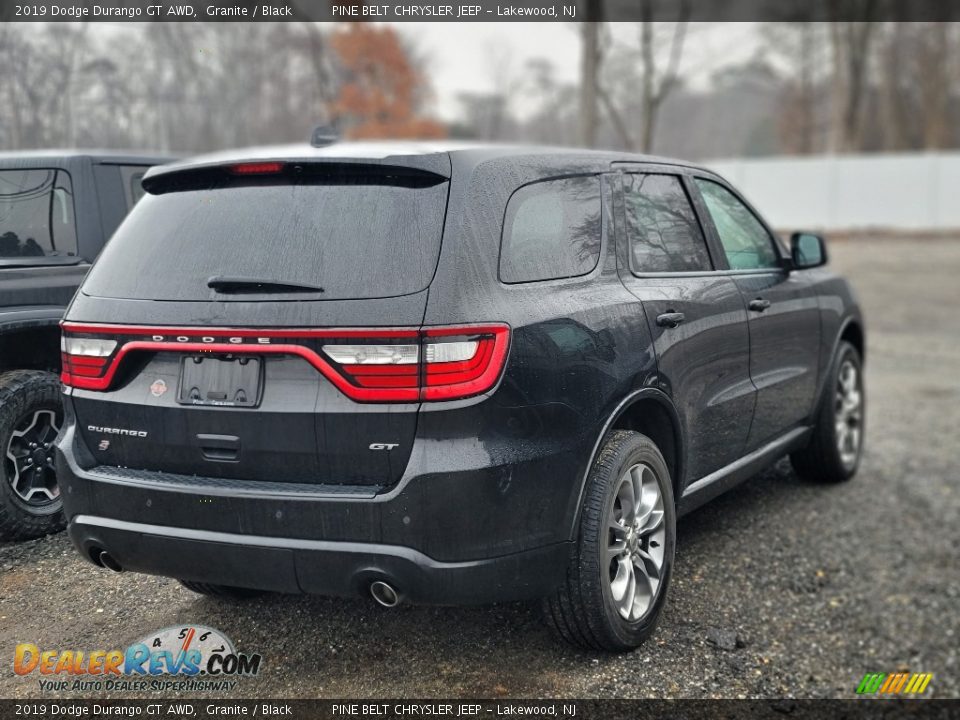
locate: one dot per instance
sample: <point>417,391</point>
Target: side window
<point>36,214</point>
<point>551,230</point>
<point>130,176</point>
<point>663,230</point>
<point>747,244</point>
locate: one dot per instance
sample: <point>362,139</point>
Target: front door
<point>783,312</point>
<point>696,316</point>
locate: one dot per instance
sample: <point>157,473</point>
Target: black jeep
<point>447,375</point>
<point>56,211</point>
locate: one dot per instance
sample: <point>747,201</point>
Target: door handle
<point>758,305</point>
<point>670,319</point>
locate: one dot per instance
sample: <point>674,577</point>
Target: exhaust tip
<point>107,560</point>
<point>384,593</point>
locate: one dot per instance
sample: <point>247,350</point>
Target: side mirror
<point>807,250</point>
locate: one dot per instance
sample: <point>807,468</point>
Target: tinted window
<point>354,241</point>
<point>552,230</point>
<point>664,233</point>
<point>746,242</point>
<point>36,214</point>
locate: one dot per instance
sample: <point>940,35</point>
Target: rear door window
<point>356,237</point>
<point>36,214</point>
<point>551,230</point>
<point>662,227</point>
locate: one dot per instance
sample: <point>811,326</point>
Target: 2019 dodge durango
<point>444,375</point>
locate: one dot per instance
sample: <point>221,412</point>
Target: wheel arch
<point>30,344</point>
<point>651,412</point>
<point>852,332</point>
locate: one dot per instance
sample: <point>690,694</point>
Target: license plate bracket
<point>222,381</point>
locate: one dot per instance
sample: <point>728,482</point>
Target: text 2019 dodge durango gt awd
<point>444,375</point>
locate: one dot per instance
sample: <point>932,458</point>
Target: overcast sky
<point>475,57</point>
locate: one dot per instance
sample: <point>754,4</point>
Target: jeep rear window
<point>354,237</point>
<point>36,214</point>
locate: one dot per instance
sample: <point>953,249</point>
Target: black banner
<point>474,10</point>
<point>479,709</point>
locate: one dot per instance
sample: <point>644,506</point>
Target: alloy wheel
<point>30,458</point>
<point>635,543</point>
<point>849,413</point>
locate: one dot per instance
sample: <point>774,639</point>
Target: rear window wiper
<point>224,284</point>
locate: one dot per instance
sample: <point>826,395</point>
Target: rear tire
<point>836,445</point>
<point>31,413</point>
<point>619,568</point>
<point>221,591</point>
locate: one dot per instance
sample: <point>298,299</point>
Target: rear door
<point>783,311</point>
<point>696,317</point>
<point>265,327</point>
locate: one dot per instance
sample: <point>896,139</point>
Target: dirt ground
<point>781,588</point>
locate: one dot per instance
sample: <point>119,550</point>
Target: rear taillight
<point>366,364</point>
<point>83,357</point>
<point>459,363</point>
<point>448,363</point>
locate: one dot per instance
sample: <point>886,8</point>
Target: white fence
<point>910,191</point>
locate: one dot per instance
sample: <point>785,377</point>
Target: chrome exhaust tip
<point>109,562</point>
<point>384,593</point>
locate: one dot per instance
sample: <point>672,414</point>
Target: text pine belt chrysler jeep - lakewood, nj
<point>444,374</point>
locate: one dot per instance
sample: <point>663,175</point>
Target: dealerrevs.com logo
<point>177,658</point>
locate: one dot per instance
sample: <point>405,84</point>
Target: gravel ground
<point>781,588</point>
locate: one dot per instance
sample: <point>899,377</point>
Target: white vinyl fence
<point>909,191</point>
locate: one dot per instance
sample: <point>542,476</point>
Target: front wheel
<point>30,417</point>
<point>619,569</point>
<point>833,454</point>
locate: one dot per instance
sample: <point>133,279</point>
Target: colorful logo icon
<point>903,683</point>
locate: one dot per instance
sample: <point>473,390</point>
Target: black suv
<point>445,375</point>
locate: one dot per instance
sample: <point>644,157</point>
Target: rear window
<point>357,240</point>
<point>36,214</point>
<point>551,230</point>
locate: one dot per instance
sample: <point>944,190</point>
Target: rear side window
<point>551,230</point>
<point>664,233</point>
<point>36,214</point>
<point>360,237</point>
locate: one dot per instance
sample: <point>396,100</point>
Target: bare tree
<point>657,85</point>
<point>590,60</point>
<point>850,49</point>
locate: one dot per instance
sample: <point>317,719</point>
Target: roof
<point>412,152</point>
<point>132,157</point>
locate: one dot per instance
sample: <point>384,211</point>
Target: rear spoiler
<point>432,166</point>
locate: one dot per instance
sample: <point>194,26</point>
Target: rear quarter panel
<point>578,347</point>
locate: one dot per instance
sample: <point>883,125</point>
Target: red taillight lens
<point>460,362</point>
<point>85,360</point>
<point>448,363</point>
<point>366,364</point>
<point>257,168</point>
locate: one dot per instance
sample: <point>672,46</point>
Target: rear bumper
<point>320,567</point>
<point>457,536</point>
